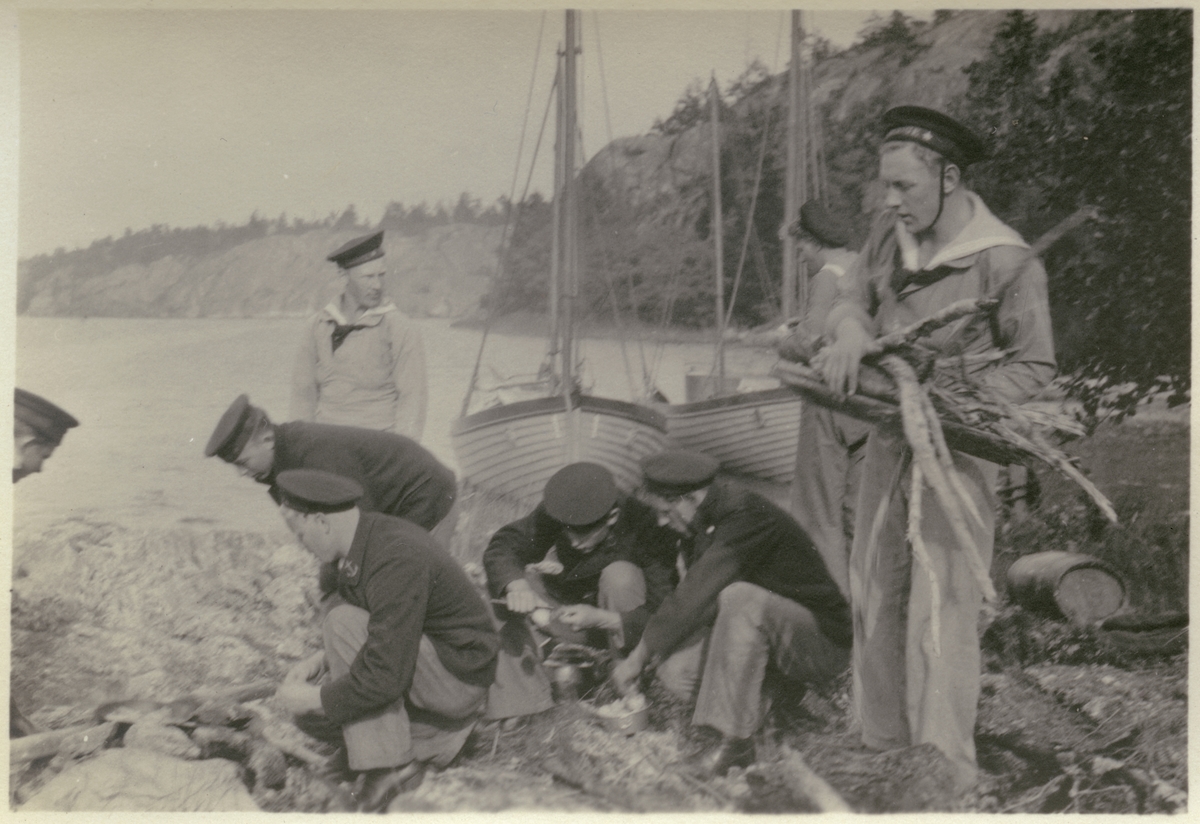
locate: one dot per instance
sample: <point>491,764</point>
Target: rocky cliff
<point>656,173</point>
<point>442,272</point>
<point>661,178</point>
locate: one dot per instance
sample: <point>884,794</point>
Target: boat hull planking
<point>512,450</point>
<point>750,433</point>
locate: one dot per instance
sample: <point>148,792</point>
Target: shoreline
<point>536,324</point>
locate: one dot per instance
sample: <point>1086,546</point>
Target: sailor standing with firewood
<point>916,673</point>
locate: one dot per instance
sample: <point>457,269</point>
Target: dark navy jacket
<point>399,477</point>
<point>741,536</point>
<point>411,587</point>
<point>635,537</point>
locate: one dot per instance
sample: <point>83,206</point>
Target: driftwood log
<point>808,784</point>
<point>41,744</point>
<point>771,334</point>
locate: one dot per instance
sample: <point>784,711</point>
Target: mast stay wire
<point>760,266</point>
<point>647,385</point>
<point>604,251</point>
<point>737,278</point>
<point>750,227</point>
<point>514,209</point>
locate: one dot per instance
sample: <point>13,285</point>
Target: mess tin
<point>573,668</point>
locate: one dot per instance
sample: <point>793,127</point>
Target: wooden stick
<point>1063,464</point>
<point>812,786</point>
<point>42,744</point>
<point>945,315</point>
<point>1067,224</point>
<point>921,554</point>
<point>945,458</point>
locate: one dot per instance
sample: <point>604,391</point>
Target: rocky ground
<point>1071,719</point>
<point>102,614</point>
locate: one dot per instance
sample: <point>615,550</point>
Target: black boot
<point>380,786</point>
<point>731,752</point>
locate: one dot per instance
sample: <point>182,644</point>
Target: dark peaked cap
<point>934,130</point>
<point>678,472</point>
<point>43,417</point>
<point>312,490</point>
<point>580,494</point>
<point>358,251</point>
<point>234,430</point>
<point>822,226</point>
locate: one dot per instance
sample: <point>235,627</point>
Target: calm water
<point>148,393</point>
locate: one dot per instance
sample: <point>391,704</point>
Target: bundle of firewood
<point>940,407</point>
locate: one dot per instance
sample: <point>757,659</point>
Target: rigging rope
<point>737,278</point>
<point>514,210</point>
<point>604,251</point>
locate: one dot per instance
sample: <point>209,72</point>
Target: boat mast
<point>793,185</point>
<point>568,224</point>
<point>718,224</point>
<point>804,130</point>
<point>555,296</point>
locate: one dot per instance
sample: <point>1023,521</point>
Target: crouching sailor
<point>399,477</point>
<point>755,593</point>
<point>586,566</point>
<point>409,647</point>
<point>38,429</point>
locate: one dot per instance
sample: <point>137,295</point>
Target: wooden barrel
<point>1079,587</point>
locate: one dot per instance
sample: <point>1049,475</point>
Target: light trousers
<point>755,629</point>
<point>434,722</point>
<point>829,459</point>
<point>909,690</point>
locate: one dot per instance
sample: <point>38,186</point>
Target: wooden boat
<point>752,433</point>
<point>512,449</point>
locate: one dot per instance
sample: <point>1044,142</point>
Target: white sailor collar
<point>984,231</point>
<point>371,317</point>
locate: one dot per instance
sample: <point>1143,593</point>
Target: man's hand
<point>299,697</point>
<point>547,566</point>
<point>583,616</point>
<point>839,361</point>
<point>520,598</point>
<point>625,674</point>
<point>307,669</point>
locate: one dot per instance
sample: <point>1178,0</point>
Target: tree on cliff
<point>1100,115</point>
<point>1097,112</point>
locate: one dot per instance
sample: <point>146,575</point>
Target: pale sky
<point>131,118</point>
